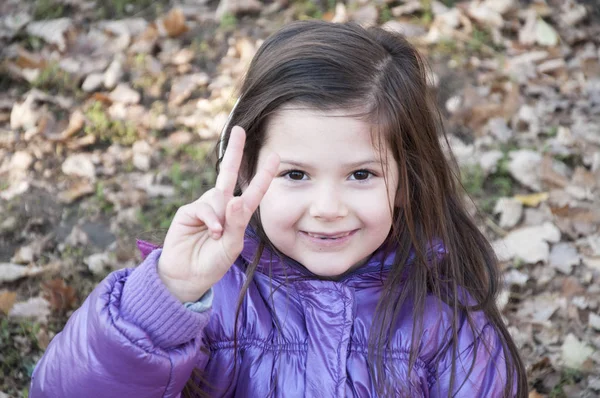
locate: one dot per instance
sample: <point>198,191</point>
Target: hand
<point>207,236</point>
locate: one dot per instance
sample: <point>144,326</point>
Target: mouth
<point>329,236</point>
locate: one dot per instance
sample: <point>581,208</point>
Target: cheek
<point>279,210</point>
<point>374,206</point>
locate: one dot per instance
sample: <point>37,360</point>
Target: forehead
<point>320,135</point>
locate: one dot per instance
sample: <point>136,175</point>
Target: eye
<point>295,175</point>
<point>361,175</point>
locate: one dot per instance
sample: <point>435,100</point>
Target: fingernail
<point>236,206</point>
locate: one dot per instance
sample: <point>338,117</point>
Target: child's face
<point>329,206</point>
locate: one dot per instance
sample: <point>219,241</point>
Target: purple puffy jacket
<point>132,338</point>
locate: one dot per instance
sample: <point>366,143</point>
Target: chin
<point>328,271</point>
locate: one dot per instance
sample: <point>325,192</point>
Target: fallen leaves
<point>36,308</point>
<point>11,272</point>
<point>52,31</point>
<point>574,352</point>
<point>173,24</point>
<point>523,82</point>
<point>532,200</point>
<point>60,297</point>
<point>7,300</point>
<point>529,244</point>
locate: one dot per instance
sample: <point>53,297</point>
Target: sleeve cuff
<point>203,304</point>
<point>147,302</point>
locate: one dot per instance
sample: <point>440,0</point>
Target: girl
<point>333,258</point>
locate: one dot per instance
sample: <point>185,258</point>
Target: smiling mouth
<point>329,236</point>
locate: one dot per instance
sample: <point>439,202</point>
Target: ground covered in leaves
<point>109,111</point>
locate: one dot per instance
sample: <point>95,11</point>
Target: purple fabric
<point>146,248</point>
<point>132,338</point>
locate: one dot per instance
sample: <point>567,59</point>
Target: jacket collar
<point>271,264</point>
<point>283,267</point>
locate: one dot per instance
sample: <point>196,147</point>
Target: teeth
<point>329,237</point>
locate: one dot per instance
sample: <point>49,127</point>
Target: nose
<point>327,203</point>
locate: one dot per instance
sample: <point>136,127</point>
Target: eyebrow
<point>345,165</point>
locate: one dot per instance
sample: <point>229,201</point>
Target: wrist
<point>183,290</point>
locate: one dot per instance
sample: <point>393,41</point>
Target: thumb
<point>237,216</point>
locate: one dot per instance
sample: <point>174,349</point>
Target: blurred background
<point>109,113</point>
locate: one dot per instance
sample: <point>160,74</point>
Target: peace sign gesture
<point>206,236</point>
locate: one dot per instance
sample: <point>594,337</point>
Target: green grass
<point>107,130</point>
<point>480,43</point>
<point>385,14</point>
<point>189,185</point>
<point>228,22</point>
<point>49,9</point>
<point>72,254</point>
<point>102,203</point>
<point>446,47</point>
<point>486,191</point>
<point>450,3</point>
<point>427,14</point>
<point>552,131</point>
<point>55,80</point>
<point>19,351</point>
<point>310,9</point>
<point>116,9</point>
<point>480,38</point>
<point>568,377</point>
<point>472,178</point>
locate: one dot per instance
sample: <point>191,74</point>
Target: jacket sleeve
<point>488,377</point>
<point>130,337</point>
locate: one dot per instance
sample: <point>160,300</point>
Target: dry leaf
<point>529,244</point>
<point>15,189</point>
<point>42,338</point>
<point>124,94</point>
<point>580,214</point>
<point>524,166</point>
<point>77,190</point>
<point>549,175</point>
<point>60,296</point>
<point>575,352</point>
<point>237,7</point>
<point>28,60</point>
<point>76,123</point>
<point>485,15</point>
<point>52,31</point>
<point>173,23</point>
<point>7,300</point>
<point>183,86</point>
<point>563,257</point>
<point>545,34</point>
<point>11,272</point>
<point>535,394</point>
<point>98,263</point>
<point>532,200</point>
<point>79,164</point>
<point>510,211</point>
<point>541,308</point>
<point>35,307</point>
<point>571,287</point>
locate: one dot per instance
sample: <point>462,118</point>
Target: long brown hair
<point>326,66</point>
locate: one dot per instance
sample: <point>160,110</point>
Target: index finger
<point>228,173</point>
<point>259,185</point>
